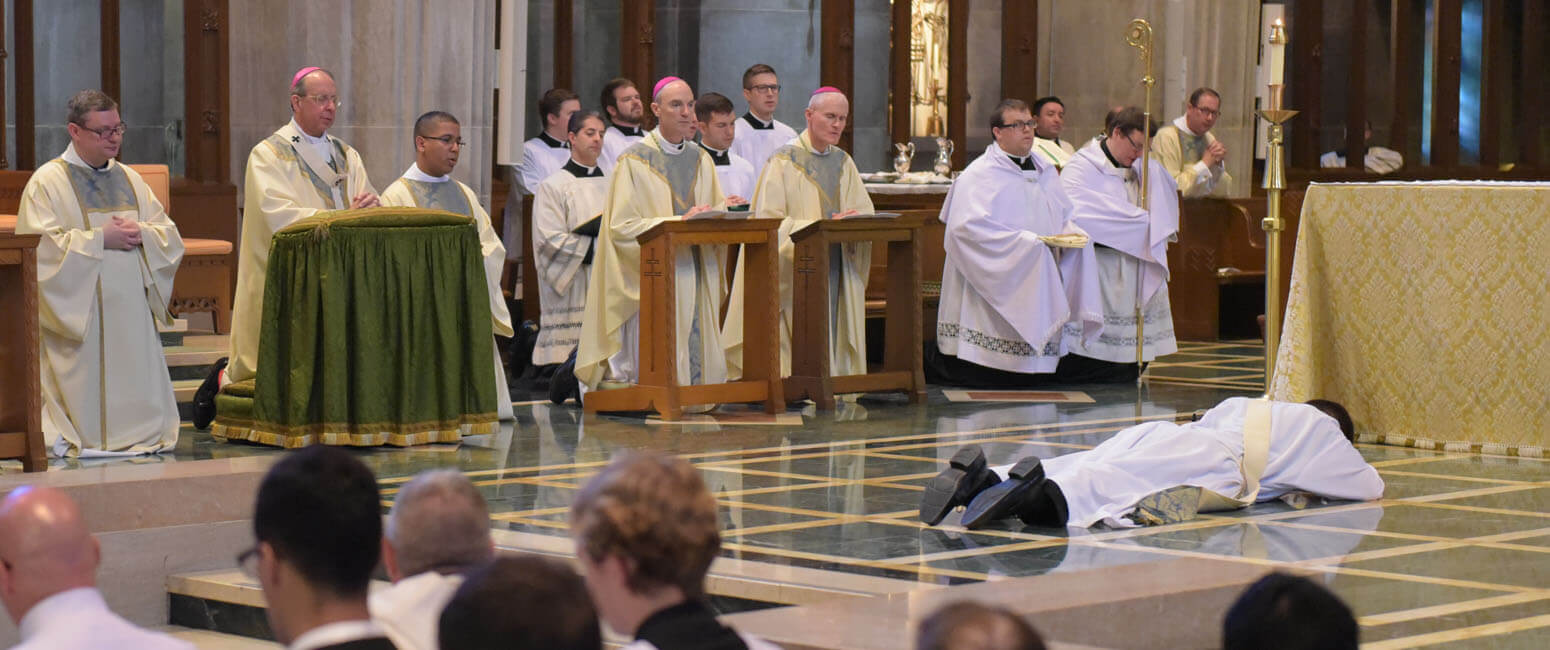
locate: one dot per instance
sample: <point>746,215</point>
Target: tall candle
<point>1277,58</point>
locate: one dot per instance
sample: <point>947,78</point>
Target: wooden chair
<point>659,387</point>
<point>203,281</point>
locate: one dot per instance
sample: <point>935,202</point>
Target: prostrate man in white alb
<point>438,140</point>
<point>664,177</point>
<point>1103,182</point>
<point>759,134</point>
<point>1006,293</point>
<point>106,260</point>
<point>437,532</point>
<point>626,117</point>
<point>294,173</point>
<point>48,579</point>
<point>566,200</point>
<point>1049,116</point>
<point>1191,153</point>
<point>808,180</point>
<point>713,111</point>
<point>1241,452</point>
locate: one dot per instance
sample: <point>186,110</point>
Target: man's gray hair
<point>88,101</point>
<point>299,88</point>
<point>812,102</point>
<point>439,522</point>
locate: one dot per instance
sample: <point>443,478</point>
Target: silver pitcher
<point>944,156</point>
<point>902,159</point>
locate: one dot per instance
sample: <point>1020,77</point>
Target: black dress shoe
<point>204,397</point>
<point>563,385</point>
<point>966,475</point>
<point>1006,498</point>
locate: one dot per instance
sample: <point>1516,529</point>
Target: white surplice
<point>542,156</point>
<point>1007,295</point>
<point>281,188</point>
<point>1104,201</point>
<point>736,174</point>
<point>615,140</point>
<point>565,200</point>
<point>655,181</point>
<point>419,189</point>
<point>1307,453</point>
<point>105,383</point>
<point>756,140</point>
<point>409,610</point>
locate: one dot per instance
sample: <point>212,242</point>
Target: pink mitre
<point>302,73</point>
<point>657,89</point>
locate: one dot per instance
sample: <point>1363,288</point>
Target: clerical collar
<point>414,173</point>
<point>582,171</point>
<point>757,123</point>
<point>721,158</point>
<point>1104,145</point>
<point>553,143</point>
<point>689,624</point>
<point>71,156</point>
<point>1024,163</point>
<point>632,131</point>
<point>668,147</point>
<point>1183,126</point>
<point>314,140</point>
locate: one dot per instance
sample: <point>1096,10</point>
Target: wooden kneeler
<point>811,376</point>
<point>659,387</point>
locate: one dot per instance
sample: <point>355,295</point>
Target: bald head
<point>673,105</point>
<point>45,546</point>
<point>827,113</point>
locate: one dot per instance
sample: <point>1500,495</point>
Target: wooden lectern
<point>658,387</point>
<point>902,363</point>
<point>21,408</point>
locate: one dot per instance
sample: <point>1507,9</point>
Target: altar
<point>1422,308</point>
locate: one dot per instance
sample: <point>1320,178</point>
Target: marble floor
<point>1457,552</point>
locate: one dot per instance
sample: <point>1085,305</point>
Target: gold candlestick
<point>1275,181</point>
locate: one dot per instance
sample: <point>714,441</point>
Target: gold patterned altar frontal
<point>1423,307</point>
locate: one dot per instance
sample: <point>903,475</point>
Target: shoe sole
<point>942,491</point>
<point>996,501</point>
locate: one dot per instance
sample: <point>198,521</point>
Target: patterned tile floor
<point>1457,552</point>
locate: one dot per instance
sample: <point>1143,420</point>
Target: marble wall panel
<point>392,60</point>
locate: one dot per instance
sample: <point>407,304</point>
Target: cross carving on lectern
<point>805,264</point>
<point>652,271</point>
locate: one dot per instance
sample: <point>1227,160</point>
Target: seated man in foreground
<point>1242,451</point>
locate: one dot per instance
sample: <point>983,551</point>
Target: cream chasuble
<point>1179,150</point>
<point>1306,453</point>
<point>1056,152</point>
<point>567,199</point>
<point>1131,249</point>
<point>653,181</point>
<point>106,389</point>
<point>800,186</point>
<point>418,189</point>
<point>287,180</point>
<point>1006,295</point>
